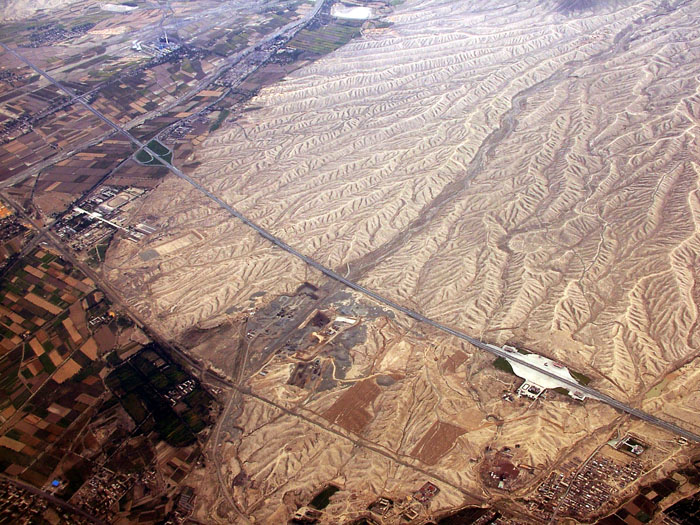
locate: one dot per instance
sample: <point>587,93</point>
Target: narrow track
<point>590,392</point>
<point>53,499</point>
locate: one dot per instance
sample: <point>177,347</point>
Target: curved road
<point>590,392</point>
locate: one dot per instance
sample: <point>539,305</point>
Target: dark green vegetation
<point>686,511</point>
<point>581,378</point>
<point>159,395</point>
<point>504,365</point>
<point>96,255</point>
<point>327,38</point>
<point>466,516</point>
<point>323,498</point>
<point>219,120</point>
<point>144,157</point>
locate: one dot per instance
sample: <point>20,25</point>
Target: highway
<point>494,350</point>
<point>288,30</point>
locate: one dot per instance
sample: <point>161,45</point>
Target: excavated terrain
<point>527,172</point>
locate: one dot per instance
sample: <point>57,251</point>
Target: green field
<point>326,38</point>
<point>219,120</point>
<point>581,378</point>
<point>141,385</point>
<point>163,152</point>
<point>504,365</point>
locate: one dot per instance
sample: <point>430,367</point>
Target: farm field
<point>76,386</point>
<point>526,174</point>
<point>373,200</point>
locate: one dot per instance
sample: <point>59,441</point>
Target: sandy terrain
<point>527,173</point>
<point>18,9</point>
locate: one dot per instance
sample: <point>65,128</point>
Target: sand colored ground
<point>525,173</point>
<point>18,9</point>
<point>529,173</point>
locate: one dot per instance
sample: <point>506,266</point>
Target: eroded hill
<point>527,173</point>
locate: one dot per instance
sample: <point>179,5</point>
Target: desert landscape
<point>540,196</point>
<point>526,173</point>
<point>351,261</point>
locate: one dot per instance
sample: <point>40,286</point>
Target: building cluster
<point>531,390</point>
<point>630,446</point>
<point>582,492</point>
<point>306,515</point>
<point>9,76</point>
<point>176,394</point>
<point>405,509</point>
<point>21,116</point>
<point>243,68</point>
<point>157,48</point>
<point>99,494</point>
<point>52,33</point>
<point>382,506</point>
<point>173,53</point>
<point>20,506</point>
<point>99,216</point>
<point>427,492</point>
<point>186,501</point>
<point>13,233</point>
<point>196,124</point>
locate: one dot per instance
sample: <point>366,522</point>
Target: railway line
<point>276,241</point>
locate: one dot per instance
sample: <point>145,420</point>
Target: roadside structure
<point>536,382</point>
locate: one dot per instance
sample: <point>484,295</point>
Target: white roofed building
<point>537,382</point>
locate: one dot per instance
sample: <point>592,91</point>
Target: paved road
<point>288,30</point>
<point>53,499</point>
<point>590,392</point>
<point>216,456</point>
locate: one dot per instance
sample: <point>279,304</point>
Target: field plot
<point>525,173</point>
<point>326,39</point>
<point>80,172</point>
<point>352,410</point>
<point>437,441</point>
<point>131,173</point>
<point>147,386</point>
<point>49,366</point>
<point>67,129</point>
<point>84,407</point>
<point>151,88</point>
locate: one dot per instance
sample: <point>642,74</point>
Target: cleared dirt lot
<point>525,173</point>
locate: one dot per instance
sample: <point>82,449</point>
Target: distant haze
<point>569,6</point>
<point>17,9</point>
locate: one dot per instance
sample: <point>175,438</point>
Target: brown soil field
<point>436,442</point>
<point>453,362</point>
<point>350,409</point>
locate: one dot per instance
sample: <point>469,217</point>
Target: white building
<point>537,382</point>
